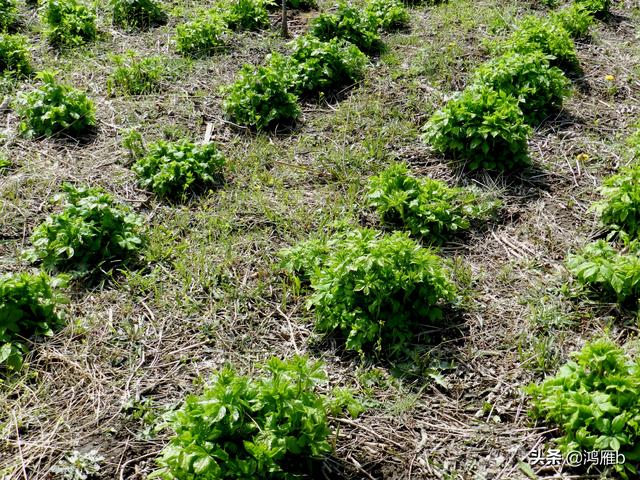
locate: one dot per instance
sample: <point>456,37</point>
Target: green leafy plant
<point>388,14</point>
<point>8,14</point>
<point>595,401</point>
<point>54,108</point>
<point>374,289</point>
<point>78,465</point>
<point>134,143</point>
<point>29,307</point>
<point>135,76</point>
<point>324,66</point>
<point>537,34</point>
<point>134,14</point>
<point>172,169</point>
<point>427,208</point>
<point>529,78</point>
<point>351,24</point>
<point>268,427</point>
<point>620,207</point>
<point>483,127</point>
<point>92,232</point>
<point>263,96</point>
<point>575,19</point>
<point>247,14</point>
<point>600,268</point>
<point>69,23</point>
<point>15,58</point>
<point>203,36</point>
<point>600,7</point>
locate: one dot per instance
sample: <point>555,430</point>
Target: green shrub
<point>600,268</point>
<point>374,289</point>
<point>15,58</point>
<point>575,19</point>
<point>54,108</point>
<point>620,208</point>
<point>536,34</point>
<point>427,208</point>
<point>135,76</point>
<point>348,23</point>
<point>596,6</point>
<point>70,23</point>
<point>137,13</point>
<point>388,14</point>
<point>529,78</point>
<point>172,169</point>
<point>8,14</point>
<point>483,127</point>
<point>594,399</point>
<point>29,307</point>
<point>92,232</point>
<point>271,426</point>
<point>247,15</point>
<point>325,66</point>
<point>263,97</point>
<point>203,36</point>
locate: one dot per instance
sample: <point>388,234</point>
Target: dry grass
<point>211,292</point>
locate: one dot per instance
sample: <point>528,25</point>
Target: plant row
<point>488,124</point>
<point>331,57</point>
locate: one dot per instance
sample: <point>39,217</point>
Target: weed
<point>137,14</point>
<point>135,76</point>
<point>8,14</point>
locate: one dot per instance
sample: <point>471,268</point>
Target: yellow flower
<point>609,78</point>
<point>583,157</point>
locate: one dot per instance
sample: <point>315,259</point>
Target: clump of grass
<point>135,76</point>
<point>137,13</point>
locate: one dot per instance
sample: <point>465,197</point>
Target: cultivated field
<point>207,286</point>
